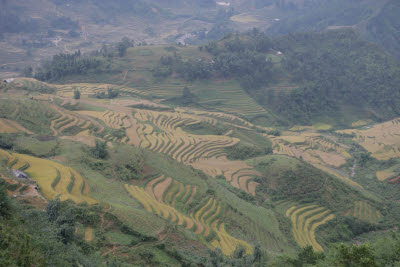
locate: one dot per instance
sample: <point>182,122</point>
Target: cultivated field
<point>90,89</point>
<point>67,121</point>
<point>9,126</point>
<point>305,220</point>
<point>191,136</point>
<point>167,198</point>
<point>320,151</point>
<point>382,140</point>
<point>363,211</point>
<point>227,97</point>
<point>54,179</point>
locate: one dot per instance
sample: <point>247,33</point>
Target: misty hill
<point>334,76</point>
<point>375,20</point>
<point>31,32</point>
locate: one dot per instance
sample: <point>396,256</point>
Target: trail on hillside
<point>125,73</point>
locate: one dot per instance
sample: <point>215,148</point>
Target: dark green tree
<point>53,209</point>
<point>123,46</point>
<point>77,94</point>
<point>27,72</point>
<point>100,150</point>
<point>112,93</point>
<point>308,256</point>
<point>5,205</point>
<point>354,256</point>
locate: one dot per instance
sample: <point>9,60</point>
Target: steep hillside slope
<point>189,173</point>
<point>334,77</point>
<point>375,20</point>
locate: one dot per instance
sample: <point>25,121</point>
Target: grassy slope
<point>252,219</point>
<point>136,67</point>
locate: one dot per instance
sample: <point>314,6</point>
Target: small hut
<point>8,80</point>
<point>19,174</point>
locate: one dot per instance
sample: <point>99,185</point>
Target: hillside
<point>272,146</point>
<point>32,31</point>
<point>334,77</point>
<point>374,20</point>
<point>204,177</point>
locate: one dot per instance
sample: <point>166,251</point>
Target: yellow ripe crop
<point>363,211</point>
<point>305,220</point>
<point>161,191</point>
<point>45,172</point>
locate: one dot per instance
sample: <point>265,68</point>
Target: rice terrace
<point>215,154</point>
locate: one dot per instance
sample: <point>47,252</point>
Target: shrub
<point>100,150</point>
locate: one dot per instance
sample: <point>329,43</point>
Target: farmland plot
<point>160,195</point>
<point>364,211</point>
<point>382,140</point>
<point>54,179</point>
<point>305,220</point>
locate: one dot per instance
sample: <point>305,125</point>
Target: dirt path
<point>114,247</point>
<point>125,73</point>
<point>353,169</point>
<point>102,216</point>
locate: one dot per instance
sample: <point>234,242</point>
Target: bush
<point>5,206</point>
<point>77,94</point>
<point>6,141</point>
<point>100,150</point>
<point>242,152</point>
<point>111,93</point>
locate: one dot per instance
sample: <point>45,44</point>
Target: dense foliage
<point>97,62</point>
<point>235,56</point>
<point>304,16</point>
<point>29,237</point>
<point>384,28</point>
<point>189,70</point>
<point>337,68</point>
<point>63,65</point>
<point>384,251</point>
<point>244,57</point>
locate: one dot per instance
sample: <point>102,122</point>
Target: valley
<point>216,201</point>
<point>199,133</point>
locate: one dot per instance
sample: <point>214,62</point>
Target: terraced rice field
<point>160,132</point>
<point>112,119</point>
<point>384,175</point>
<point>305,221</point>
<point>382,140</point>
<point>312,146</point>
<point>227,97</point>
<point>161,195</point>
<point>363,211</point>
<point>320,152</point>
<point>87,89</point>
<point>220,116</point>
<point>165,90</point>
<point>68,119</point>
<point>54,179</point>
<point>9,126</point>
